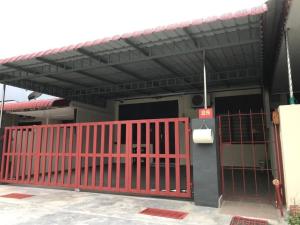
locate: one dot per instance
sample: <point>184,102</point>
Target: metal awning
<point>156,61</point>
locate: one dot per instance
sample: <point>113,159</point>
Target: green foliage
<point>294,219</point>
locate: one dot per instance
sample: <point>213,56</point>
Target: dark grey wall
<point>205,168</point>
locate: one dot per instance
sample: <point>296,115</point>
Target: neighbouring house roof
<point>35,105</point>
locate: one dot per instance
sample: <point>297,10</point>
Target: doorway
<point>245,149</point>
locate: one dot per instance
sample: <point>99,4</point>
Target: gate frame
<point>276,148</point>
<point>42,156</point>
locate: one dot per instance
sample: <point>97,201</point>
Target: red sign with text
<point>205,113</point>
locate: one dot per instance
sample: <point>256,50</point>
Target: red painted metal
<point>245,159</point>
<point>278,195</point>
<point>164,213</point>
<point>237,220</point>
<point>35,104</point>
<point>205,113</point>
<point>94,156</point>
<point>16,195</point>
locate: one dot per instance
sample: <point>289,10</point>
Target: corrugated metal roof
<point>232,42</point>
<point>137,34</point>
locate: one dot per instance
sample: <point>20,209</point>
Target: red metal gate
<point>149,157</point>
<point>249,156</point>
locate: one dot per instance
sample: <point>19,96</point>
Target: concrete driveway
<point>55,206</point>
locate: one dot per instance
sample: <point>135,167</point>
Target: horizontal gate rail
<point>149,157</point>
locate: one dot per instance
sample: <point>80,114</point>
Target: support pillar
<point>206,180</point>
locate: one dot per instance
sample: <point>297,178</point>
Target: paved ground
<point>53,206</point>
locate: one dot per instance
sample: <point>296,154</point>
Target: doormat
<point>164,213</point>
<point>237,220</point>
<point>16,196</point>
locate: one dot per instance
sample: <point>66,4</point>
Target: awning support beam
<point>159,56</point>
<point>288,60</point>
<point>250,74</point>
<point>204,82</point>
<point>28,70</point>
<point>103,60</point>
<point>157,61</point>
<point>195,42</point>
<point>65,67</point>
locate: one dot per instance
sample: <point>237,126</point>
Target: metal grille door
<point>149,157</point>
<point>248,156</point>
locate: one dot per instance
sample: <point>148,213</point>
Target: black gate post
<point>206,180</point>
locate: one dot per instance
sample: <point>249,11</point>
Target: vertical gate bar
<point>167,159</point>
<point>94,156</point>
<point>86,155</point>
<point>138,164</point>
<point>102,155</point>
<point>118,156</point>
<point>78,155</point>
<point>229,127</point>
<point>265,148</point>
<point>157,163</point>
<point>177,153</point>
<point>232,176</point>
<point>242,151</point>
<point>9,151</point>
<point>57,150</point>
<point>13,153</point>
<point>221,154</point>
<point>110,142</point>
<point>50,154</point>
<point>230,142</point>
<point>37,155</point>
<point>148,157</point>
<point>70,154</point>
<point>187,156</point>
<point>232,167</point>
<point>4,152</point>
<point>30,154</point>
<point>253,151</point>
<point>128,176</point>
<point>44,152</point>
<point>19,154</point>
<point>62,180</point>
<point>24,159</point>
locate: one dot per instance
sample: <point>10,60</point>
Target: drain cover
<point>237,220</point>
<point>16,195</point>
<point>164,213</point>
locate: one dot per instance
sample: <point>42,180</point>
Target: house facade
<point>147,88</point>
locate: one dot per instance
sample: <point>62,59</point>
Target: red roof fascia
<point>242,13</point>
<point>35,104</point>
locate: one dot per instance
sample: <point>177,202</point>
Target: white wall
<point>290,144</point>
<point>232,155</point>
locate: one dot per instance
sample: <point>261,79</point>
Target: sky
<point>35,25</point>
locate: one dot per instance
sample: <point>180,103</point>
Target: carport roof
<point>165,59</point>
